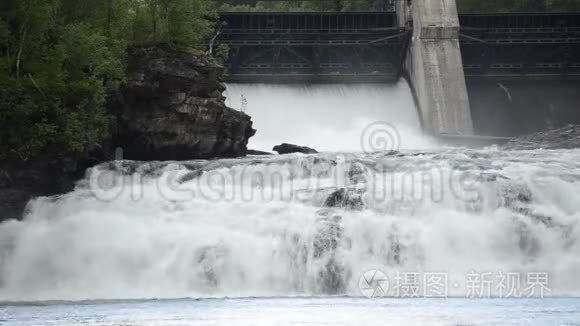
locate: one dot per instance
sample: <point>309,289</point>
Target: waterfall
<point>326,117</point>
<point>297,225</point>
<point>381,197</point>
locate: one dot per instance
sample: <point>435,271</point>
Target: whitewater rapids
<point>269,226</point>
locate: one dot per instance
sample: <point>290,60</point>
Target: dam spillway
<point>458,94</point>
<point>328,117</point>
<point>174,221</point>
<point>264,226</point>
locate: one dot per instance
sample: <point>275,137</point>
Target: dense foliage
<point>60,58</point>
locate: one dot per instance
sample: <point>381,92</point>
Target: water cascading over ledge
<point>296,225</point>
<point>328,117</point>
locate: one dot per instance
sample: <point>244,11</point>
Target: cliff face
<point>172,108</point>
<point>38,176</point>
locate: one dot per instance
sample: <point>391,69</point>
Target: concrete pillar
<point>434,65</point>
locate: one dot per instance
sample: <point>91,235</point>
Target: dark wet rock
<point>190,176</point>
<point>392,153</point>
<point>357,173</point>
<point>328,235</point>
<point>21,181</point>
<point>512,194</point>
<point>538,218</point>
<point>172,108</point>
<point>527,242</point>
<point>518,197</point>
<point>345,198</point>
<point>256,152</point>
<point>208,258</point>
<point>330,279</point>
<point>563,138</point>
<point>291,148</point>
<point>491,177</point>
<point>125,167</point>
<point>394,255</point>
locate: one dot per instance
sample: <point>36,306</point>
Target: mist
<point>327,117</point>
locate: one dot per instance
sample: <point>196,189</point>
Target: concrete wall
<point>434,65</point>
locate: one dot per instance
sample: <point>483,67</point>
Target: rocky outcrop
<point>21,181</point>
<point>291,148</point>
<point>346,198</point>
<point>172,108</point>
<point>563,138</point>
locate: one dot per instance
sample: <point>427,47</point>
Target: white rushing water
<point>300,312</point>
<point>307,224</point>
<point>258,226</point>
<point>326,117</point>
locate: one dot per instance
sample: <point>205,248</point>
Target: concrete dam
<point>478,74</point>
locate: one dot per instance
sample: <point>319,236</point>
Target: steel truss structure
<point>370,47</point>
<point>521,45</point>
<point>327,46</point>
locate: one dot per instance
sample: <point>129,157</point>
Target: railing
<point>538,7</point>
<point>326,46</point>
<point>371,44</point>
<point>314,21</point>
<point>311,5</point>
<point>521,45</point>
<point>535,20</point>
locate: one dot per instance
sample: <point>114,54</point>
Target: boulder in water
<point>563,138</point>
<point>291,148</point>
<point>256,152</point>
<point>345,198</point>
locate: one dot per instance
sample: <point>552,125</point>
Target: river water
<point>300,312</point>
<point>395,232</point>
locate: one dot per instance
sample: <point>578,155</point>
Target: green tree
<point>60,58</point>
<point>563,5</point>
<point>175,22</point>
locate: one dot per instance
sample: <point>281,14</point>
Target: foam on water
<point>260,226</point>
<point>304,225</point>
<point>300,311</point>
